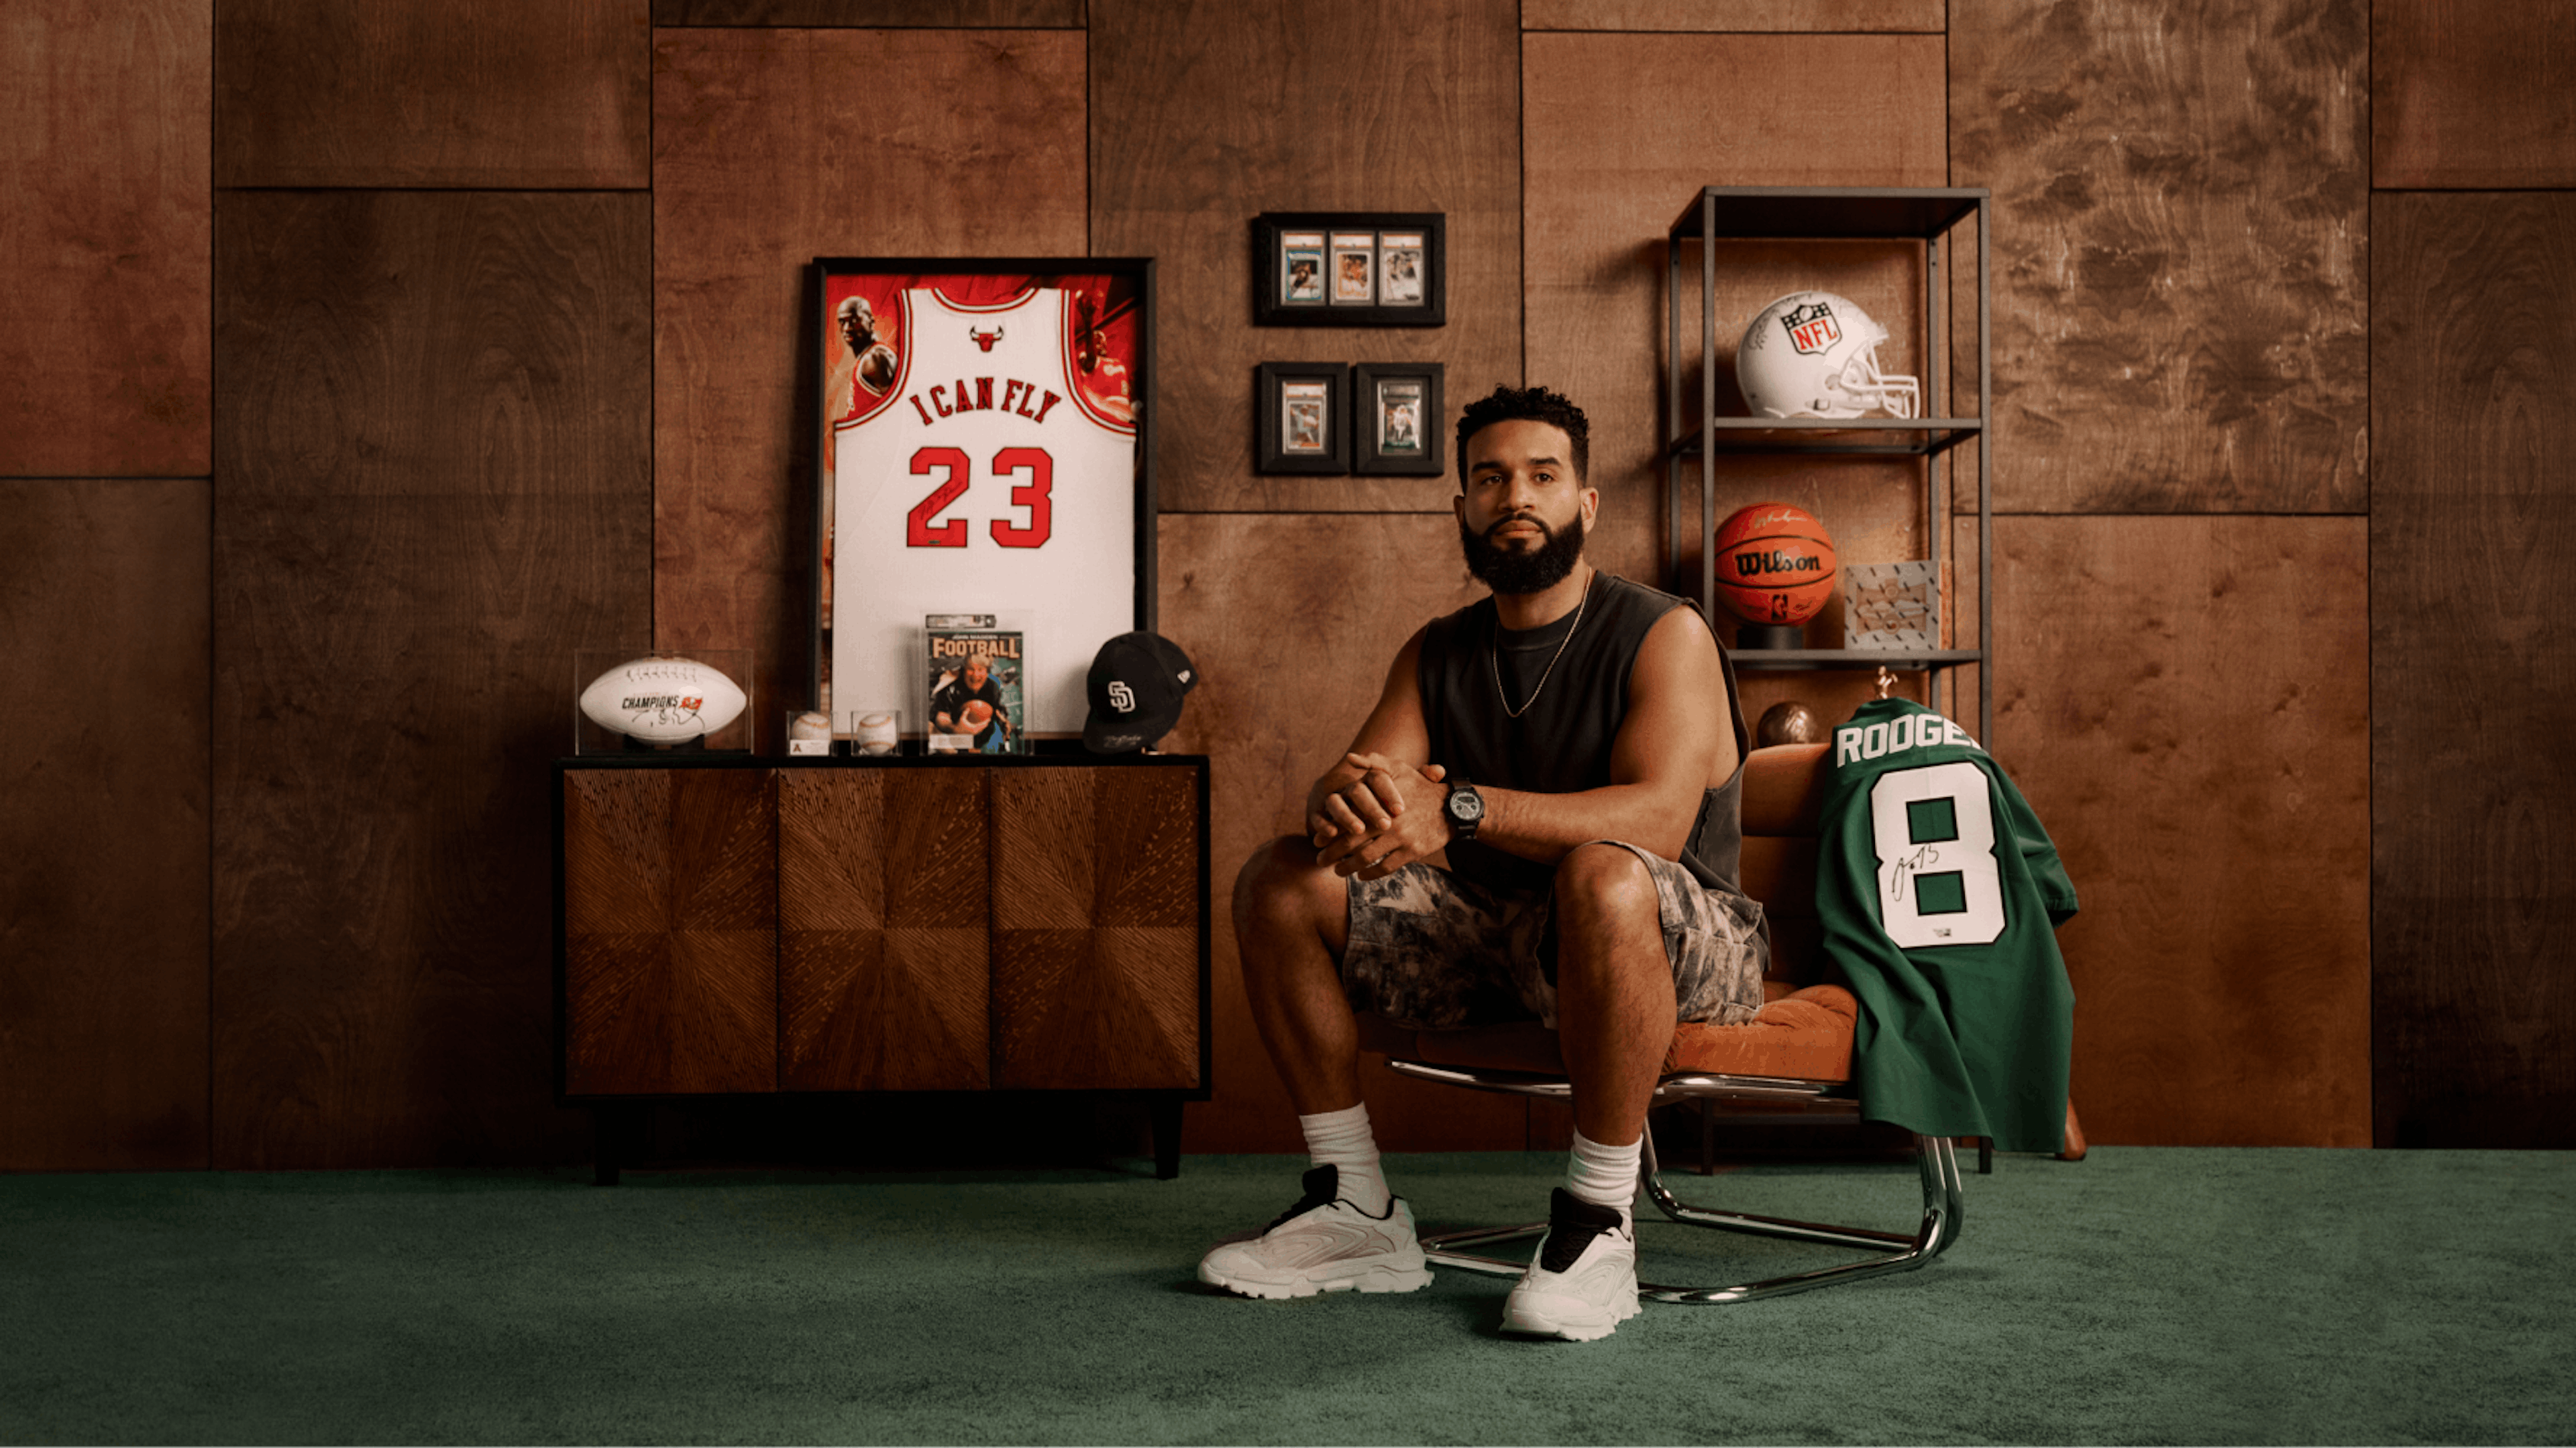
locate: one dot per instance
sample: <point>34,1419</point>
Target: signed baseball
<point>877,731</point>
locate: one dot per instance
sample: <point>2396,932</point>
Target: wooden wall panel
<point>2179,292</point>
<point>494,93</point>
<point>670,914</point>
<point>2181,701</point>
<point>943,14</point>
<point>1206,113</point>
<point>433,486</point>
<point>106,238</point>
<point>1733,15</point>
<point>1274,707</point>
<point>2472,94</point>
<point>773,148</point>
<point>1622,132</point>
<point>103,863</point>
<point>1095,928</point>
<point>2473,516</point>
<point>884,970</point>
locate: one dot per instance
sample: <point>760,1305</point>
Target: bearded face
<point>1521,563</point>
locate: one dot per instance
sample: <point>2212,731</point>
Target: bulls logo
<point>1812,328</point>
<point>985,340</point>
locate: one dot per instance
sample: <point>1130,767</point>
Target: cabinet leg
<point>612,1136</point>
<point>1166,1112</point>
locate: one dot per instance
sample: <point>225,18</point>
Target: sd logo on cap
<point>1136,685</point>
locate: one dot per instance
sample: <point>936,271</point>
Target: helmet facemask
<point>1863,386</point>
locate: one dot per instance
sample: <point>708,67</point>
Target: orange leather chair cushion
<point>1805,1034</point>
<point>1802,1034</point>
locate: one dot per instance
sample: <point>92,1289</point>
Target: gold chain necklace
<point>1508,711</point>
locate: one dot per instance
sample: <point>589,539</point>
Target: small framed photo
<point>1301,271</point>
<point>1350,269</point>
<point>1302,414</point>
<point>1398,416</point>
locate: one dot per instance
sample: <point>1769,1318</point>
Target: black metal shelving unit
<point>1922,216</point>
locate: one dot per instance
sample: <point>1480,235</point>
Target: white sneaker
<point>1323,1244</point>
<point>1583,1281</point>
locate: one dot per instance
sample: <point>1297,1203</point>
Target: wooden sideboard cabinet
<point>729,926</point>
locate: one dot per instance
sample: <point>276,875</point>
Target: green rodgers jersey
<point>1940,896</point>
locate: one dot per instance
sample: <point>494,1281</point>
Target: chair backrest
<point>1784,795</point>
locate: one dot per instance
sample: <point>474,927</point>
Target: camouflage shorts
<point>1431,950</point>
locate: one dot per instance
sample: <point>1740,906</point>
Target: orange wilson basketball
<point>1775,564</point>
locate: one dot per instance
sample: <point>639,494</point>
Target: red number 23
<point>920,529</point>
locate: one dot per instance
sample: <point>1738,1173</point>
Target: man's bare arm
<point>1676,742</point>
<point>1357,795</point>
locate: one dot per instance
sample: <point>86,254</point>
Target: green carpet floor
<point>2144,1295</point>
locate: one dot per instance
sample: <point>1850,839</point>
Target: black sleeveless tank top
<point>1561,744</point>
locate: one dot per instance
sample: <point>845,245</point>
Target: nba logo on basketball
<point>1811,327</point>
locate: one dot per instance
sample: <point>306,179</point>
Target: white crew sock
<point>1341,1139</point>
<point>1605,1176</point>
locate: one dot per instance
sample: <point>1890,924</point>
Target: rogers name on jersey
<point>1895,736</point>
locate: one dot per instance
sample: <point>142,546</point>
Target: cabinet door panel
<point>1095,938</point>
<point>1110,1006</point>
<point>671,938</point>
<point>883,952</point>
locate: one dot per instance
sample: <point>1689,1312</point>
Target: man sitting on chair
<point>1538,820</point>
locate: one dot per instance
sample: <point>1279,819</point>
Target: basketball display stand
<point>1695,438</point>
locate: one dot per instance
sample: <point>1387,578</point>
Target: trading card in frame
<point>1354,268</point>
<point>1399,412</point>
<point>1399,268</point>
<point>1399,418</point>
<point>1300,418</point>
<point>1305,412</point>
<point>982,435</point>
<point>1301,268</point>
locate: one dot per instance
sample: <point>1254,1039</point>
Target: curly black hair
<point>1538,404</point>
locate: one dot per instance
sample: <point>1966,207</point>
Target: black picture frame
<point>1101,322</point>
<point>1287,437</point>
<point>1393,403</point>
<point>1407,271</point>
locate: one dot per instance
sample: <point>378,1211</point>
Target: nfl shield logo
<point>1811,327</point>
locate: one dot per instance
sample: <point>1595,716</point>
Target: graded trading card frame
<point>1403,279</point>
<point>1061,532</point>
<point>1301,414</point>
<point>1386,395</point>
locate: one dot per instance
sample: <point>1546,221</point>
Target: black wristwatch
<point>1466,810</point>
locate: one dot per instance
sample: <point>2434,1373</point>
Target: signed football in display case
<point>663,700</point>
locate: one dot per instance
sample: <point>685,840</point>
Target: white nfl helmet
<point>1814,354</point>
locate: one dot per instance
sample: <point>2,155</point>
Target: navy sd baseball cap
<point>1136,686</point>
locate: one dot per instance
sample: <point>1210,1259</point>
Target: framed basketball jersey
<point>982,447</point>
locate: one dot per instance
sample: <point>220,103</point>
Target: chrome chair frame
<point>1934,1156</point>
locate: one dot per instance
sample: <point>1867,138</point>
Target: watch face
<point>1467,806</point>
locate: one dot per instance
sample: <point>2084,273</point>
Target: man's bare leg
<point>1614,1020</point>
<point>1348,1232</point>
<point>1614,990</point>
<point>1291,924</point>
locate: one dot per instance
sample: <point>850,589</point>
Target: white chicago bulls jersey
<point>984,481</point>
